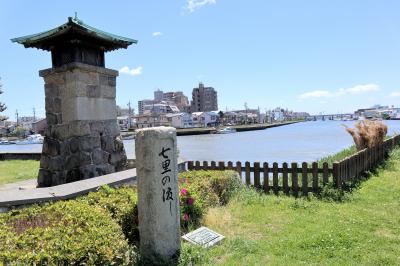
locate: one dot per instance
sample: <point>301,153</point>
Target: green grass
<point>18,170</point>
<point>278,230</point>
<point>262,229</point>
<point>338,156</point>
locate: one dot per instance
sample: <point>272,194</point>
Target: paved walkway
<point>12,195</point>
<point>22,185</point>
<point>25,193</point>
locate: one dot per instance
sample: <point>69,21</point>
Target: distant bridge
<point>331,117</point>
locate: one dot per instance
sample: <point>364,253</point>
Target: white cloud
<point>315,94</point>
<point>395,94</point>
<point>358,89</point>
<point>133,72</point>
<point>192,5</point>
<point>157,33</point>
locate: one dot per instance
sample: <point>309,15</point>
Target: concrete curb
<point>17,198</point>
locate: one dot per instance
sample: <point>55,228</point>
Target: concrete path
<point>25,193</point>
<point>22,185</point>
<point>12,196</point>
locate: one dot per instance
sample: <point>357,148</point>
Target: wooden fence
<point>294,179</point>
<point>354,166</point>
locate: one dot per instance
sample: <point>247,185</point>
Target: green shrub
<point>330,192</point>
<point>190,208</point>
<point>90,230</point>
<point>205,189</point>
<point>213,187</point>
<point>67,232</point>
<point>121,203</point>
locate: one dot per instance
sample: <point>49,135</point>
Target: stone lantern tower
<point>82,139</point>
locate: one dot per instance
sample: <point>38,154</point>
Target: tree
<point>3,107</point>
<point>221,117</point>
<point>20,132</point>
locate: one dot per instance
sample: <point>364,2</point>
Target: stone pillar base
<point>82,139</point>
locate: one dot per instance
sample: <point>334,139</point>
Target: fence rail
<point>294,179</point>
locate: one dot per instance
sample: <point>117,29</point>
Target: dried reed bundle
<point>367,134</point>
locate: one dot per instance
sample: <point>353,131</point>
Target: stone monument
<point>82,139</point>
<point>158,193</point>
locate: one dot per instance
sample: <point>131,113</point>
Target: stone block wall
<point>82,139</point>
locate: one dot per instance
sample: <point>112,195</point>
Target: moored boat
<point>6,142</point>
<point>226,130</point>
<point>31,139</point>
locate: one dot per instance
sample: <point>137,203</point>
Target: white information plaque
<point>203,236</point>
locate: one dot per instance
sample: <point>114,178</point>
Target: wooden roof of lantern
<point>75,31</point>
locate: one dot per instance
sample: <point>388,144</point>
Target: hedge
<point>200,190</point>
<point>102,227</point>
<point>62,233</point>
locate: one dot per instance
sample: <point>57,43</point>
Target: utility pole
<point>34,114</point>
<point>16,115</point>
<point>245,107</point>
<point>129,115</point>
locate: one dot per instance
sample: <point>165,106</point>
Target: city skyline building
<point>173,98</point>
<point>204,99</point>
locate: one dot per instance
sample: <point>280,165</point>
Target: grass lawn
<point>18,170</point>
<point>260,229</point>
<point>279,230</point>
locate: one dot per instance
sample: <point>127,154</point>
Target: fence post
<point>190,165</point>
<point>275,177</point>
<point>221,165</point>
<point>336,174</point>
<point>369,159</point>
<point>285,178</point>
<point>346,169</point>
<point>325,175</point>
<point>295,181</point>
<point>304,179</point>
<point>257,175</point>
<point>266,177</point>
<point>239,169</point>
<point>247,166</point>
<point>352,166</point>
<point>315,177</point>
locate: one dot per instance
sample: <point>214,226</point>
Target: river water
<point>301,142</point>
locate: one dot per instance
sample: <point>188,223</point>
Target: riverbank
<point>239,128</point>
<point>276,230</point>
<point>262,229</point>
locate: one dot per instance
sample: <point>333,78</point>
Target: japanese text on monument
<point>167,194</point>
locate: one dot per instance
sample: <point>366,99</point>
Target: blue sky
<point>315,55</point>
